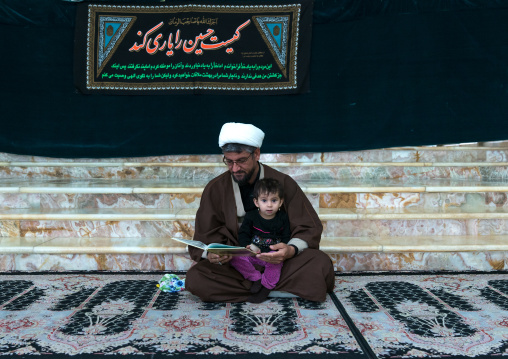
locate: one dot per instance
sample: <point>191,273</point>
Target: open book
<point>218,248</point>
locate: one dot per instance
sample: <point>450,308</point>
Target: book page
<point>220,245</point>
<point>192,243</point>
<point>218,248</point>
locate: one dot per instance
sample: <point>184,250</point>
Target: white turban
<point>242,133</point>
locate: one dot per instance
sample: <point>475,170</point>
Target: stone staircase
<point>421,208</point>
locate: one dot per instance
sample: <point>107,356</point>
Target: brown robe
<point>309,275</point>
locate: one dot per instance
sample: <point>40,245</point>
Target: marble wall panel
<point>453,172</point>
<point>388,200</point>
<point>142,200</point>
<point>465,155</point>
<point>7,262</point>
<point>369,200</point>
<point>433,227</point>
<point>348,262</point>
<point>212,158</point>
<point>89,262</point>
<point>54,172</point>
<point>310,157</point>
<point>386,172</point>
<point>314,199</point>
<point>413,155</point>
<point>136,172</point>
<point>19,200</point>
<point>202,174</point>
<point>340,200</point>
<point>336,173</point>
<point>355,228</point>
<point>477,200</point>
<point>409,173</point>
<point>10,229</point>
<point>185,229</point>
<point>375,228</point>
<point>492,227</point>
<point>284,157</point>
<point>181,229</point>
<point>403,173</point>
<point>205,174</point>
<point>496,199</point>
<point>496,155</point>
<point>422,155</point>
<point>184,200</point>
<point>9,157</point>
<point>494,173</point>
<point>358,156</point>
<point>315,157</point>
<point>302,173</point>
<point>454,200</point>
<point>443,261</point>
<point>108,172</point>
<point>112,229</point>
<point>405,156</point>
<point>419,200</point>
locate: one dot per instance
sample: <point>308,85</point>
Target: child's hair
<point>269,186</point>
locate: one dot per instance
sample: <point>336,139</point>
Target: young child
<point>261,229</point>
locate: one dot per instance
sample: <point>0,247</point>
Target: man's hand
<point>282,252</point>
<point>219,259</point>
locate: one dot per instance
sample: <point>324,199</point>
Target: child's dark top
<point>264,232</point>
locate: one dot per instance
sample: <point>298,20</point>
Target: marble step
<point>330,245</point>
<point>321,185</point>
<point>336,223</point>
<point>413,227</point>
<point>422,200</point>
<point>466,152</point>
<point>182,228</point>
<point>330,160</point>
<point>342,262</point>
<point>99,193</point>
<point>303,171</point>
<point>188,214</point>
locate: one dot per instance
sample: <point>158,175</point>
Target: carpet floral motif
<point>71,314</point>
<point>431,315</point>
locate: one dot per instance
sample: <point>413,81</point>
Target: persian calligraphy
<point>195,45</point>
<point>237,71</point>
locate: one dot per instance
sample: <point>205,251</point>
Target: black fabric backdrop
<point>383,73</point>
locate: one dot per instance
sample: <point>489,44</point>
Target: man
<point>307,272</point>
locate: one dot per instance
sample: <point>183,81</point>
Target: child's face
<point>268,204</point>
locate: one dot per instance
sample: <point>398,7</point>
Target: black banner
<point>383,74</point>
<point>193,48</point>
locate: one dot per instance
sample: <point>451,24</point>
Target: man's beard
<point>246,177</point>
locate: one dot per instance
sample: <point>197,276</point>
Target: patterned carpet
<point>431,315</point>
<point>91,314</point>
<point>77,315</point>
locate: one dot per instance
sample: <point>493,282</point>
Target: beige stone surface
<point>408,208</point>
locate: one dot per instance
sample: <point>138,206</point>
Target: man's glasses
<point>239,162</point>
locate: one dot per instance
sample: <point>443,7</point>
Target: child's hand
<point>254,248</point>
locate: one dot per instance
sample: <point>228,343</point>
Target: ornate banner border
<point>125,54</point>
